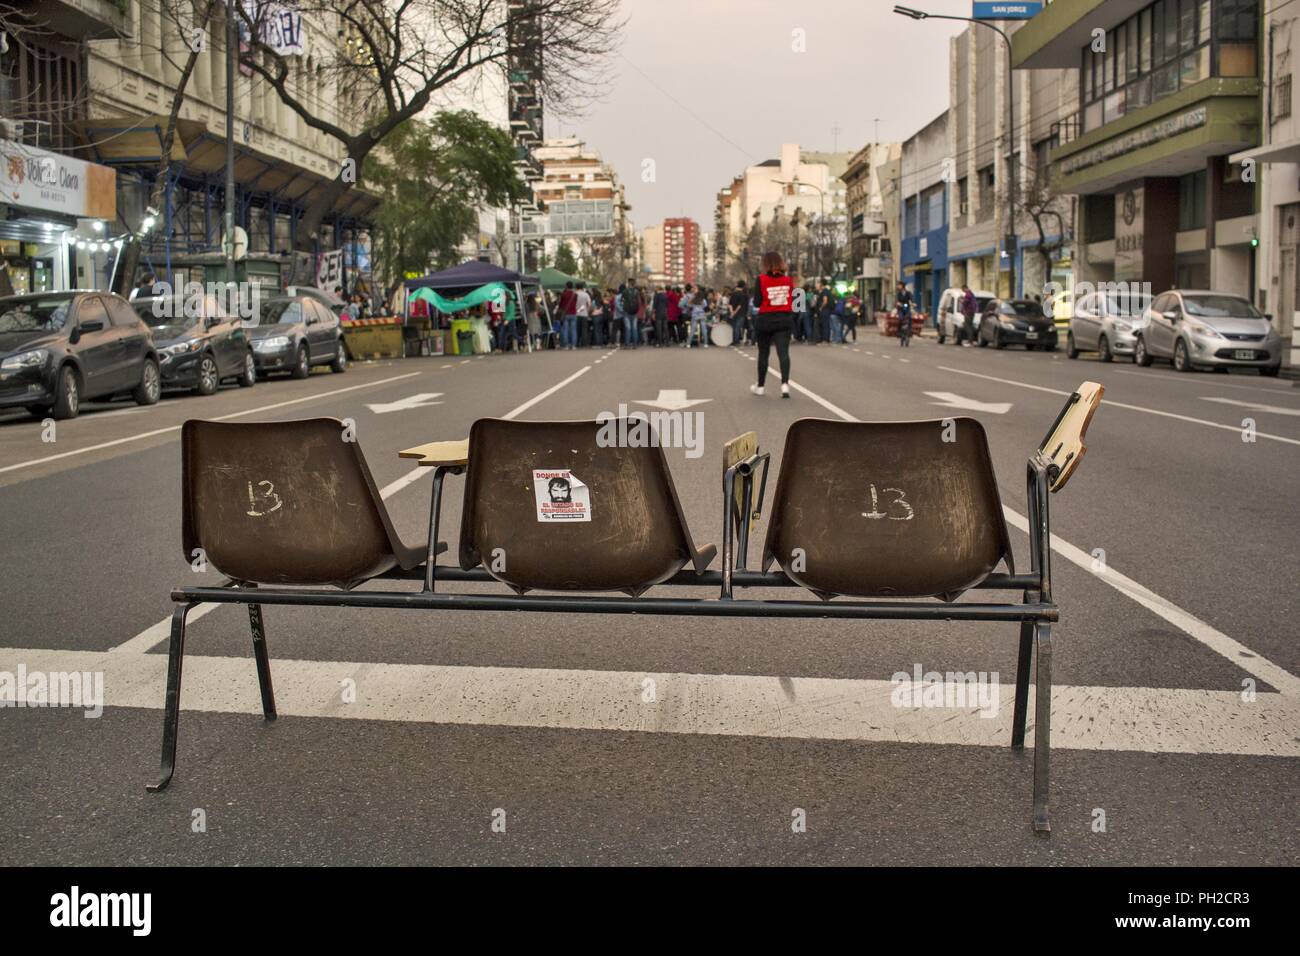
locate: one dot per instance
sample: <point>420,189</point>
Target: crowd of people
<point>683,316</point>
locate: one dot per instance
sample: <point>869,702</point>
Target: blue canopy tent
<point>463,279</point>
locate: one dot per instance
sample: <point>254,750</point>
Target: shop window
<point>1236,59</point>
<point>1191,201</point>
<point>1194,67</point>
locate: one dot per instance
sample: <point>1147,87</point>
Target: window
<point>91,309</point>
<point>1191,201</point>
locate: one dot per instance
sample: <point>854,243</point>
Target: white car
<point>950,317</point>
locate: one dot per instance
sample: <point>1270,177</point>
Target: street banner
<point>329,271</point>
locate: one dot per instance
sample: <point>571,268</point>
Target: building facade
<point>583,202</point>
<point>873,229</point>
<point>924,174</point>
<point>1168,92</point>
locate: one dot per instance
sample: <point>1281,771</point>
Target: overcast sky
<point>707,87</point>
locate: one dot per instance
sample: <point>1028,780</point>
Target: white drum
<point>721,334</point>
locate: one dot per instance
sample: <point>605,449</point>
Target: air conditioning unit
<point>964,208</point>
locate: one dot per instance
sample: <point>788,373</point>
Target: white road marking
<point>175,428</point>
<point>420,400</point>
<point>950,400</point>
<point>1234,651</point>
<point>149,638</point>
<point>671,399</point>
<point>448,365</point>
<point>1142,719</point>
<point>1134,408</point>
<point>1253,406</point>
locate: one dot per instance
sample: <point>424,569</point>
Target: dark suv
<point>296,332</point>
<point>198,343</point>
<point>58,349</point>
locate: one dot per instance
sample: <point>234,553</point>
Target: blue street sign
<point>1005,11</point>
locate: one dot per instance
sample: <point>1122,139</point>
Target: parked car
<point>331,301</point>
<point>295,332</point>
<point>59,349</point>
<point>950,317</point>
<point>1106,322</point>
<point>1199,328</point>
<point>1016,322</point>
<point>199,344</point>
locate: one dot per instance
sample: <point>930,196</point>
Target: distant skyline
<point>704,88</point>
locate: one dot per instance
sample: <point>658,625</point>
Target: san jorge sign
<point>50,182</point>
<point>1005,11</point>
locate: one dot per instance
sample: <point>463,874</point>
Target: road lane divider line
<point>151,636</point>
<point>1135,408</point>
<point>1232,650</point>
<point>1134,719</point>
<point>175,428</point>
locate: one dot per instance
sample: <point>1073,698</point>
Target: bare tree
<point>394,56</point>
<point>1036,201</point>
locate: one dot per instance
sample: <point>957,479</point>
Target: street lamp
<point>1011,99</point>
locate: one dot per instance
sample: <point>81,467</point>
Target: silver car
<point>1106,322</point>
<point>1197,328</point>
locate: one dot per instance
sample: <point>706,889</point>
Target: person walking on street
<point>968,306</point>
<point>903,306</point>
<point>774,293</point>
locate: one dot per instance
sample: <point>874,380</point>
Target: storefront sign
<point>1005,11</point>
<point>1129,233</point>
<point>1137,139</point>
<point>50,182</point>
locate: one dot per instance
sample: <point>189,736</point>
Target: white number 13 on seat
<point>899,505</point>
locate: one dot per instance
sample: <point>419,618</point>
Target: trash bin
<point>465,342</point>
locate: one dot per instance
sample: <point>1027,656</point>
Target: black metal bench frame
<point>1035,613</point>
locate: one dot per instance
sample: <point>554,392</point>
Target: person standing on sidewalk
<point>659,306</point>
<point>568,317</point>
<point>774,293</point>
<point>583,312</point>
<point>631,297</point>
<point>968,306</point>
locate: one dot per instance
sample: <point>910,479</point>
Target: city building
<point>873,224</point>
<point>682,250</point>
<point>1275,166</point>
<point>924,171</point>
<point>652,254</point>
<point>1010,231</point>
<point>581,200</point>
<point>1169,92</point>
<point>799,186</point>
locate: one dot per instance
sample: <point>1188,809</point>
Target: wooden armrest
<point>1064,445</point>
<point>439,453</point>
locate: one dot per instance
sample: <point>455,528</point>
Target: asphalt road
<point>1194,604</point>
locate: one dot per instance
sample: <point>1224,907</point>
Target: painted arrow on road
<point>403,404</point>
<point>1254,406</point>
<point>949,400</point>
<point>672,399</point>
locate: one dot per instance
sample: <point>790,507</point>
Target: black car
<point>296,332</point>
<point>58,349</point>
<point>199,344</point>
<point>1016,322</point>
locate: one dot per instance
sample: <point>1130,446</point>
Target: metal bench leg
<point>1042,725</point>
<point>1022,685</point>
<point>263,662</point>
<point>172,716</point>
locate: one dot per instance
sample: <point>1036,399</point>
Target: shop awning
<point>1286,151</point>
<point>137,141</point>
<point>469,275</point>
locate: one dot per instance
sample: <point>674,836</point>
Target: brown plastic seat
<point>286,503</point>
<point>887,509</point>
<point>636,536</point>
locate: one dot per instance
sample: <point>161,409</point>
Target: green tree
<point>565,260</point>
<point>434,178</point>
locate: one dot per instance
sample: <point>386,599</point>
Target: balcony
<point>1052,39</point>
<point>78,19</point>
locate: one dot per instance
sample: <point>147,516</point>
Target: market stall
<point>453,298</point>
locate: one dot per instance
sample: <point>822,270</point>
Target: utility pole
<point>232,43</point>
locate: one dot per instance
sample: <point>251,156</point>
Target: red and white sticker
<point>560,495</point>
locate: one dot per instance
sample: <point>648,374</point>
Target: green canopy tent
<point>553,280</point>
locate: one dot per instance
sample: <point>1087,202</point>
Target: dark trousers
<point>661,330</point>
<point>774,328</point>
